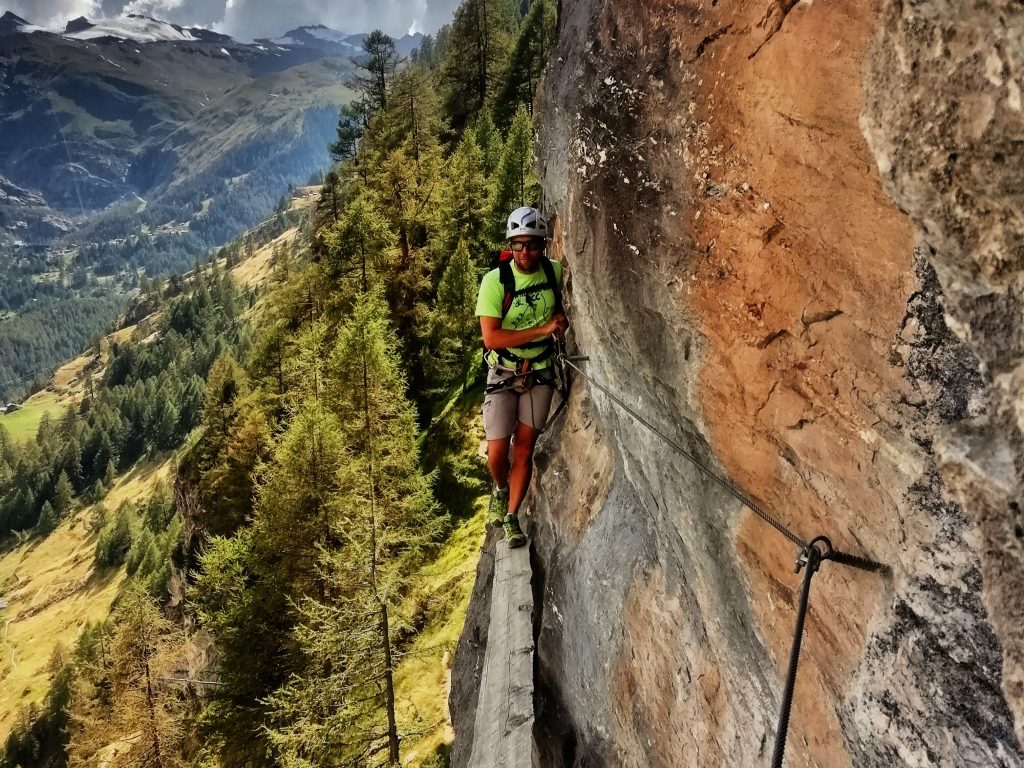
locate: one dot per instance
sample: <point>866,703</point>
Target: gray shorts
<point>504,408</point>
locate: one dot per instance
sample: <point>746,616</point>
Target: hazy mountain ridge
<point>80,113</point>
<point>122,157</point>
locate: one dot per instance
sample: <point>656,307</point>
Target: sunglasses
<point>530,245</point>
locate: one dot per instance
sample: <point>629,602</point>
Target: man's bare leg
<point>522,466</point>
<point>497,460</point>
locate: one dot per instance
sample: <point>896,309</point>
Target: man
<point>520,310</point>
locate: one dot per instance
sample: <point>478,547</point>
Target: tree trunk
<point>389,685</point>
<point>385,631</point>
<point>151,705</point>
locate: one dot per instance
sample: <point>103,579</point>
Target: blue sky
<point>247,19</point>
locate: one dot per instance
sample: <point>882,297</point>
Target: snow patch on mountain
<point>11,23</point>
<point>140,29</point>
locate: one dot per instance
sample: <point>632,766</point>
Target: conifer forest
<point>284,594</point>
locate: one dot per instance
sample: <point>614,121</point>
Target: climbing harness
<point>556,376</point>
<point>810,554</point>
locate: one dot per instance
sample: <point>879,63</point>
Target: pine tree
<point>47,436</point>
<point>408,200</point>
<point>330,197</point>
<point>48,519</point>
<point>476,56</point>
<point>63,496</point>
<point>454,324</point>
<point>159,510</point>
<point>140,549</point>
<point>379,63</point>
<point>99,491</point>
<point>235,437</point>
<point>424,54</point>
<point>114,540</point>
<point>142,652</point>
<point>249,582</point>
<point>536,35</point>
<point>358,244</point>
<point>413,117</point>
<point>464,205</point>
<point>352,122</point>
<point>225,385</point>
<point>7,450</point>
<point>341,709</point>
<point>110,475</point>
<point>97,518</point>
<point>239,601</point>
<point>489,140</point>
<point>516,184</point>
<point>71,461</point>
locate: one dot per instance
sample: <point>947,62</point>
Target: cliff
<point>795,244</point>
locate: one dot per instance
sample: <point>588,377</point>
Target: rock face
<point>743,275</point>
<point>943,117</point>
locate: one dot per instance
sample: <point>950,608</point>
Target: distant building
<point>11,408</point>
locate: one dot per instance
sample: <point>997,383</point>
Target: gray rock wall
<point>741,275</point>
<point>943,118</point>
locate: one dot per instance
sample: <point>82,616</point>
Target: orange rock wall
<point>740,276</point>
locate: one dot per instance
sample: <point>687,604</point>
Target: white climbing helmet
<point>526,221</point>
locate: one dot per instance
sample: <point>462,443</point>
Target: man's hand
<point>556,326</point>
<point>560,325</point>
<point>496,337</point>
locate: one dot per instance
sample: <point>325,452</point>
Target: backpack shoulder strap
<point>508,284</point>
<point>549,273</point>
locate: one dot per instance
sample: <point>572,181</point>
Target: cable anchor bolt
<point>812,555</point>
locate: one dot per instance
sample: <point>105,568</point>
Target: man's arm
<point>496,337</point>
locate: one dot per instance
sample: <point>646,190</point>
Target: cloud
<point>157,9</point>
<point>187,13</point>
<point>248,19</point>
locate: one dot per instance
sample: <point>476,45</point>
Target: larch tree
<point>143,717</point>
<point>464,206</point>
<point>476,56</point>
<point>63,495</point>
<point>515,184</point>
<point>519,87</point>
<point>341,710</point>
<point>359,242</point>
<point>489,140</point>
<point>414,113</point>
<point>378,65</point>
<point>454,326</point>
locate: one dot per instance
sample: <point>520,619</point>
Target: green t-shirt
<point>527,311</point>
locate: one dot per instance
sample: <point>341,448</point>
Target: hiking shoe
<point>498,508</point>
<point>513,533</point>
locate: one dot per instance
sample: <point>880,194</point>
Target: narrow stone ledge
<point>503,730</point>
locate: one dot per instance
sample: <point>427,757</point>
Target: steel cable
<point>854,561</point>
<point>809,559</point>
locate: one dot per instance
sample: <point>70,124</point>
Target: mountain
<point>139,29</point>
<point>107,113</point>
<point>28,218</point>
<point>132,146</point>
<point>319,37</point>
<point>11,23</point>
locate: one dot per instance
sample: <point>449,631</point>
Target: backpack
<point>508,283</point>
